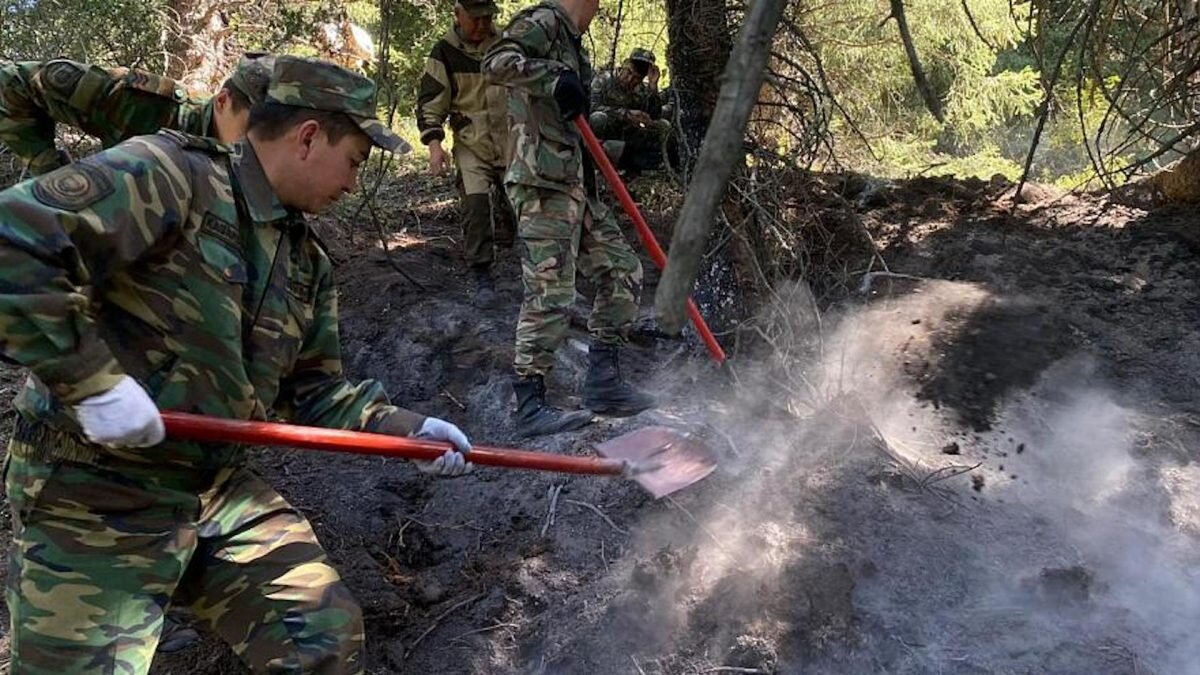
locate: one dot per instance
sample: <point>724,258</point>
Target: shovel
<point>660,459</point>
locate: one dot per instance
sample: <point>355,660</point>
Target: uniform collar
<point>261,203</point>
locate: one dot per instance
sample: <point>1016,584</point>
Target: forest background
<point>893,88</point>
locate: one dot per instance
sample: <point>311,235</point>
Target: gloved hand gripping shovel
<point>644,233</point>
<point>661,460</point>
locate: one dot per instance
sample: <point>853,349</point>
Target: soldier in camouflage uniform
<point>560,219</point>
<point>453,87</point>
<point>172,272</point>
<point>627,113</point>
<point>116,104</point>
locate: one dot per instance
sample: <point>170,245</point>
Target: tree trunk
<point>198,43</point>
<point>699,47</point>
<point>721,152</point>
<point>914,62</point>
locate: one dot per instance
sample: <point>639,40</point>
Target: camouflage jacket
<point>453,87</point>
<point>608,96</point>
<point>540,43</point>
<point>169,258</point>
<point>110,104</point>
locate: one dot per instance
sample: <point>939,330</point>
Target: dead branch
<point>594,509</point>
<point>438,620</point>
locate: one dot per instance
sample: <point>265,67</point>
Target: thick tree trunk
<point>699,47</point>
<point>721,152</point>
<point>198,43</point>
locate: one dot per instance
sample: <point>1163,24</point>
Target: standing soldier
<point>560,218</point>
<point>627,113</point>
<point>116,104</point>
<point>172,272</point>
<point>453,87</point>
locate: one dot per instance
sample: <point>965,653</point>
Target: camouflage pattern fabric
<point>167,258</point>
<point>320,85</point>
<point>453,89</point>
<point>560,220</point>
<point>540,43</point>
<point>110,104</point>
<point>610,118</point>
<point>100,548</point>
<point>562,236</point>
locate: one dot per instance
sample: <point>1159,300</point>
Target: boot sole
<point>614,411</point>
<point>573,426</point>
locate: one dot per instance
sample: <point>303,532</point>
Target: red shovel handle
<point>187,427</point>
<point>643,230</point>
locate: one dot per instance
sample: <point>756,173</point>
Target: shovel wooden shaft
<point>644,233</point>
<point>204,429</point>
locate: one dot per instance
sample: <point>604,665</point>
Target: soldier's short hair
<point>271,120</point>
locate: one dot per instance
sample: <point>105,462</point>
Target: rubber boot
<point>605,392</point>
<point>485,287</point>
<point>535,417</point>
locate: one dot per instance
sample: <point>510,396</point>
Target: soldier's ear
<point>306,136</point>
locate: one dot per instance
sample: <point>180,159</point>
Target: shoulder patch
<point>520,28</point>
<point>74,187</point>
<point>155,84</point>
<point>192,142</point>
<point>61,75</point>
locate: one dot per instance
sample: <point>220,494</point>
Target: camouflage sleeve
<point>433,97</point>
<point>518,59</point>
<point>25,127</point>
<point>63,236</point>
<point>317,393</point>
<point>602,102</point>
<point>110,104</point>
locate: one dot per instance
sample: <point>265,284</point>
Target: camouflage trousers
<point>100,548</point>
<point>562,233</point>
<point>629,145</point>
<point>487,215</point>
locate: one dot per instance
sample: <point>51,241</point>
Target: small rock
<point>1020,448</point>
<point>977,482</point>
<point>952,449</point>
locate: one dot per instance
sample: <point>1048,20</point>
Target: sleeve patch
<point>74,187</point>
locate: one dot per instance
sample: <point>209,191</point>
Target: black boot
<point>535,417</point>
<point>604,391</point>
<point>485,287</point>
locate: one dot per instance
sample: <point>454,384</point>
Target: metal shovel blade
<point>661,460</point>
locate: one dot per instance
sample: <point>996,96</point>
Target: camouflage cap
<point>321,85</point>
<point>252,76</point>
<point>479,8</point>
<point>640,54</point>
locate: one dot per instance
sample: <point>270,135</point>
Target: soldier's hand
<point>652,77</point>
<point>454,462</point>
<point>640,118</point>
<point>122,417</point>
<point>438,164</point>
<point>570,95</point>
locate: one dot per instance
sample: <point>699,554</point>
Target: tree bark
<point>914,62</point>
<point>722,149</point>
<point>697,52</point>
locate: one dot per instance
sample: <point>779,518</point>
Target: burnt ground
<point>983,462</point>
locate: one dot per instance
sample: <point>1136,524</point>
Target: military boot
<point>485,287</point>
<point>605,392</point>
<point>535,417</point>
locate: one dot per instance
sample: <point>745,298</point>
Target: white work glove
<point>122,417</point>
<point>454,462</point>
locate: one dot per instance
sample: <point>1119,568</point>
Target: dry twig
<point>438,620</point>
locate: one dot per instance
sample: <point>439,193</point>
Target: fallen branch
<point>598,512</point>
<point>438,620</point>
<point>552,511</point>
